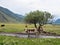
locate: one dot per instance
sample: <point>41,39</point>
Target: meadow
<point>7,40</point>
<point>20,28</point>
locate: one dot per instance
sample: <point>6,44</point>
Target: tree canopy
<point>40,17</point>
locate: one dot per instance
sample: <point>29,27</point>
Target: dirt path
<point>24,35</point>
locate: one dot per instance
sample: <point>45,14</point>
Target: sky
<point>25,6</point>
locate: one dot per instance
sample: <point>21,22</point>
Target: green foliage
<point>38,17</point>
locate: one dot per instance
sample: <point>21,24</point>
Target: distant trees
<point>39,17</point>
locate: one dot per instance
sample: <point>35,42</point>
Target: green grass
<point>14,27</point>
<point>52,28</point>
<point>21,27</point>
<point>5,40</point>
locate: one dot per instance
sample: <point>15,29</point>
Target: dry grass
<point>21,27</point>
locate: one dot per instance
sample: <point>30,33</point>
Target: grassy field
<point>21,27</point>
<point>5,40</point>
<point>52,28</point>
<point>14,27</point>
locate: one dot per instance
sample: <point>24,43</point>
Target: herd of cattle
<point>44,32</point>
<point>41,31</point>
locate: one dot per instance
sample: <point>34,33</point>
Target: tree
<point>39,17</point>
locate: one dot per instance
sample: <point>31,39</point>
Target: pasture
<point>20,28</point>
<point>7,40</point>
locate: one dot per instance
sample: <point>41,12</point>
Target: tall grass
<point>5,40</point>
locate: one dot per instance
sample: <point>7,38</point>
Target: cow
<point>2,25</point>
<point>30,30</point>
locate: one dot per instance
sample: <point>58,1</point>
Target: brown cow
<point>27,30</point>
<point>30,30</point>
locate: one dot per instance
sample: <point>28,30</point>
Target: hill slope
<point>57,21</point>
<point>8,16</point>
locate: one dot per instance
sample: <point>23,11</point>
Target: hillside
<point>57,21</point>
<point>8,16</point>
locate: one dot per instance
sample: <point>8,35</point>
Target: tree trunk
<point>40,29</point>
<point>35,25</point>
